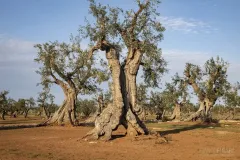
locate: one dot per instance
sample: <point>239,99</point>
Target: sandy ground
<point>185,141</point>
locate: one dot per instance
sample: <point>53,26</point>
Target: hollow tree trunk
<point>120,110</point>
<point>66,114</point>
<point>176,115</point>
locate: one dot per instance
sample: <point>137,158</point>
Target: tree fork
<point>120,111</point>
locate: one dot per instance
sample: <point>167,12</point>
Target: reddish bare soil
<point>185,141</point>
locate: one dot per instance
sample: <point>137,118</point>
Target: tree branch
<point>136,15</point>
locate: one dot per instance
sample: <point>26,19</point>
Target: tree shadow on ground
<point>19,126</point>
<point>187,128</point>
<point>86,124</point>
<point>114,137</point>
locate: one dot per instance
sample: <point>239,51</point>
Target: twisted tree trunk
<point>134,110</point>
<point>66,114</point>
<point>176,115</point>
<point>121,110</point>
<point>203,111</point>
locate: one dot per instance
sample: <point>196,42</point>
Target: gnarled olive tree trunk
<point>120,111</point>
<point>203,111</point>
<point>176,115</point>
<point>66,114</point>
<point>134,110</point>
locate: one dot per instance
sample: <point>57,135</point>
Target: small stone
<point>92,142</point>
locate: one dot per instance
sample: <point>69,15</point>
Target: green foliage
<point>3,101</point>
<point>21,105</point>
<point>68,63</point>
<point>231,97</point>
<point>86,107</point>
<point>46,100</point>
<point>134,30</point>
<point>142,95</point>
<point>210,82</point>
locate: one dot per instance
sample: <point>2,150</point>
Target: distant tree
<point>67,66</point>
<point>176,95</point>
<point>29,104</point>
<point>86,107</point>
<point>24,105</point>
<point>139,31</point>
<point>12,106</point>
<point>157,104</point>
<point>232,100</point>
<point>209,84</point>
<point>142,99</point>
<point>45,101</point>
<point>3,104</point>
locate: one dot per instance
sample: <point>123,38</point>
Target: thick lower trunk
<point>176,115</point>
<point>110,117</point>
<point>66,114</point>
<point>120,111</point>
<point>203,112</point>
<point>134,110</point>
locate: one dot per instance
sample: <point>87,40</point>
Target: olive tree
<point>11,107</point>
<point>66,65</point>
<point>209,84</point>
<point>232,100</point>
<point>139,32</point>
<point>176,94</point>
<point>29,104</point>
<point>142,99</point>
<point>45,101</point>
<point>86,107</point>
<point>3,104</point>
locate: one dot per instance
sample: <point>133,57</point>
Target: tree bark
<point>66,114</point>
<point>120,111</point>
<point>176,115</point>
<point>204,111</point>
<point>134,110</point>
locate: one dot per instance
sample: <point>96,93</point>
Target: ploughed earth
<point>179,141</point>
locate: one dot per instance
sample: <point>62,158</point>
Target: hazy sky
<point>196,31</point>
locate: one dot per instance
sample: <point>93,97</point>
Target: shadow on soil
<point>187,128</point>
<point>18,127</point>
